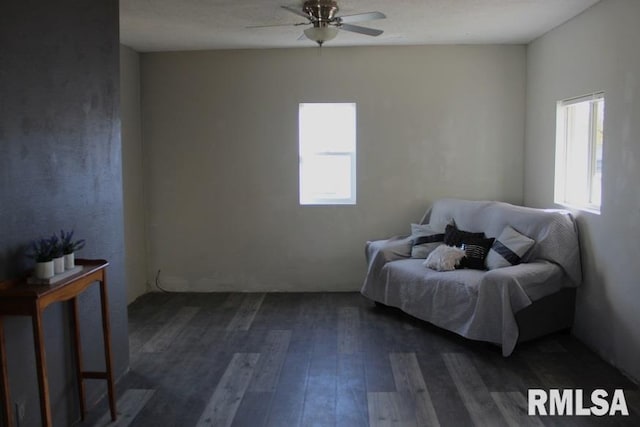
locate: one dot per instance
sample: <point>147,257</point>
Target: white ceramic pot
<point>44,270</point>
<point>69,261</point>
<point>58,265</point>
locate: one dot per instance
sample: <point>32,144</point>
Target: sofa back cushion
<point>554,230</point>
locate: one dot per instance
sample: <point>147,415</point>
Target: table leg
<point>77,347</point>
<point>41,367</point>
<point>106,334</point>
<point>7,415</point>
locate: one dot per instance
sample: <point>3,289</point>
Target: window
<point>579,141</point>
<point>327,143</point>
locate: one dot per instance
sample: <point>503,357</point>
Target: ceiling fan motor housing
<point>323,10</point>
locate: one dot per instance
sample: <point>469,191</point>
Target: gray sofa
<point>502,306</point>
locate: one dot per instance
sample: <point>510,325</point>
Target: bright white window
<point>327,143</point>
<point>579,141</point>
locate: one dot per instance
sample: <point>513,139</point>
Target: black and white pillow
<point>476,250</point>
<point>508,249</point>
<point>425,239</point>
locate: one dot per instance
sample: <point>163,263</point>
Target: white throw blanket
<point>475,304</point>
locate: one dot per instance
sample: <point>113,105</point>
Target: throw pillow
<point>454,237</point>
<point>424,240</point>
<point>476,250</point>
<point>508,249</point>
<point>444,258</point>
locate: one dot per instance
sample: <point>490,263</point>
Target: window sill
<point>329,203</point>
<point>588,209</point>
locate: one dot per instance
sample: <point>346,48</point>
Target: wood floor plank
<point>351,393</point>
<point>378,374</point>
<point>185,384</point>
<point>253,409</point>
<point>278,310</point>
<point>149,308</point>
<point>472,390</point>
<point>246,312</point>
<point>553,370</point>
<point>601,374</point>
<point>425,412</point>
<point>198,335</point>
<point>272,357</point>
<point>348,330</point>
<point>444,394</point>
<point>325,327</point>
<point>148,314</point>
<point>390,409</point>
<point>167,334</point>
<point>228,394</point>
<point>288,399</point>
<point>504,374</point>
<point>320,394</point>
<point>233,300</point>
<point>408,378</point>
<point>406,372</point>
<point>129,405</point>
<point>513,406</point>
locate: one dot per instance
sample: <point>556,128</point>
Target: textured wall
<point>221,150</point>
<point>596,51</point>
<point>60,167</point>
<point>132,174</point>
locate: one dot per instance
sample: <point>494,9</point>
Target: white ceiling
<point>163,25</point>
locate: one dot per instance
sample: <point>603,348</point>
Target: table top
<point>19,288</point>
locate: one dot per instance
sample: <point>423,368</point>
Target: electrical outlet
<point>20,413</point>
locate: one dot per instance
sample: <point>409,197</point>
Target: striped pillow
<point>476,250</point>
<point>424,240</point>
<point>508,249</point>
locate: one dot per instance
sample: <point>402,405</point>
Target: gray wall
<point>60,167</point>
<point>220,145</point>
<point>132,174</point>
<point>595,51</point>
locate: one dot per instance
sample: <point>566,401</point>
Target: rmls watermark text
<point>572,402</point>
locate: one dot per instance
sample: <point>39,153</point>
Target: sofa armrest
<point>397,247</point>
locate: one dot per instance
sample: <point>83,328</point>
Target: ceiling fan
<point>322,15</point>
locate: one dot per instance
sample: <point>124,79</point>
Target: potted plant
<point>41,252</point>
<point>57,255</point>
<point>69,248</point>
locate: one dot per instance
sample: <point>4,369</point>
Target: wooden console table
<point>17,298</point>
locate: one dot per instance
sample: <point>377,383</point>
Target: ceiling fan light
<point>321,34</point>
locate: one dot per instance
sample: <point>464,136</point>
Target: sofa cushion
<point>424,239</point>
<point>412,272</point>
<point>508,249</point>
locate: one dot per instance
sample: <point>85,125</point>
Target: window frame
<point>352,155</point>
<point>563,142</point>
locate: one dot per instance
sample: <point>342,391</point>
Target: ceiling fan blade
<point>361,30</point>
<point>359,17</point>
<point>278,25</point>
<point>298,12</point>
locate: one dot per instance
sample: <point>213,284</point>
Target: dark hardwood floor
<point>334,359</point>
